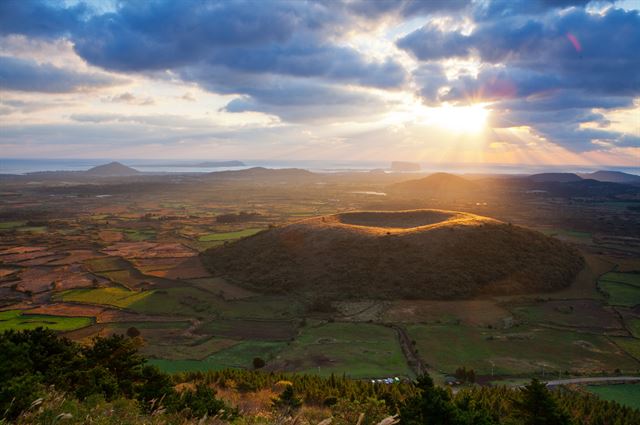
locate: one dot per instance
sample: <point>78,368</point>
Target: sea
<point>26,165</point>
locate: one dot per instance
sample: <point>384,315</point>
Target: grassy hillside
<point>428,254</point>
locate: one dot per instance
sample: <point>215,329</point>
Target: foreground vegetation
<point>46,379</point>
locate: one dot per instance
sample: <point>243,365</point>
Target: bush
<point>258,363</point>
<point>347,412</point>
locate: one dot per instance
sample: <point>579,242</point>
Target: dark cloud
<point>39,18</point>
<point>379,8</point>
<point>581,49</point>
<point>27,75</point>
<point>286,37</point>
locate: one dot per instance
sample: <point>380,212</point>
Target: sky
<point>441,81</point>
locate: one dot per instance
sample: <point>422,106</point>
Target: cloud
<point>406,8</point>
<point>286,38</point>
<point>27,75</point>
<point>39,18</point>
<point>610,43</point>
<point>290,98</point>
<point>130,99</point>
<point>547,70</point>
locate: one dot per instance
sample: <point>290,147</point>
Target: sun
<point>461,119</point>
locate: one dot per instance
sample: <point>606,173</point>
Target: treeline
<point>48,379</point>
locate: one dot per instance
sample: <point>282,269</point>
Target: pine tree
<point>536,406</point>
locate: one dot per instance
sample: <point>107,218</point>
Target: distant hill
<point>612,177</point>
<point>554,177</point>
<point>404,166</point>
<point>420,254</point>
<point>112,169</point>
<point>590,189</point>
<point>438,185</point>
<point>262,174</point>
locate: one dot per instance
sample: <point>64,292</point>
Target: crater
<point>395,220</point>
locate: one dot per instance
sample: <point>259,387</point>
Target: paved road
<point>594,380</point>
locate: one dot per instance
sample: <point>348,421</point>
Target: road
<point>594,380</point>
<point>414,361</point>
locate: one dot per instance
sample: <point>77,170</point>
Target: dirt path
<point>595,380</point>
<point>414,362</point>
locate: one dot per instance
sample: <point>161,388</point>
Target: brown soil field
<point>416,254</point>
<point>628,264</point>
<point>16,258</point>
<point>149,250</point>
<point>471,312</point>
<point>76,256</point>
<point>68,309</point>
<point>172,268</point>
<point>20,250</point>
<point>110,235</point>
<point>41,261</point>
<point>36,280</point>
<point>7,272</point>
<point>263,330</point>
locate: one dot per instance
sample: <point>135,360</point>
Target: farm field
<point>212,237</point>
<point>114,296</point>
<point>358,350</point>
<point>100,266</point>
<point>621,293</point>
<point>625,394</point>
<point>509,352</point>
<point>240,355</point>
<point>16,319</point>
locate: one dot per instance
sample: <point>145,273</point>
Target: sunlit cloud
<point>455,81</point>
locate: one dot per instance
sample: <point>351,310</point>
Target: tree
<point>258,363</point>
<point>536,406</point>
<point>156,390</point>
<point>287,401</point>
<point>119,356</point>
<point>432,406</point>
<point>203,402</point>
<point>133,332</point>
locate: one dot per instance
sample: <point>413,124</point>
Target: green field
<point>15,319</point>
<point>521,350</point>
<point>32,229</point>
<point>239,356</point>
<point>630,345</point>
<point>626,394</point>
<point>620,293</point>
<point>634,327</point>
<point>135,235</point>
<point>583,237</point>
<point>191,351</point>
<point>115,296</point>
<point>211,237</point>
<point>183,300</point>
<point>628,278</point>
<point>8,225</point>
<point>358,350</point>
<point>106,264</point>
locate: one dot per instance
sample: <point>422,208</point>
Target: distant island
<point>112,169</point>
